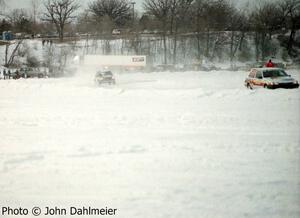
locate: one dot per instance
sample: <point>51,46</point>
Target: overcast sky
<point>139,3</point>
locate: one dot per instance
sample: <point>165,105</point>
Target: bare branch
<point>60,12</point>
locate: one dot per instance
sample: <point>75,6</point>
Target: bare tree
<point>209,16</point>
<point>161,10</point>
<point>179,10</point>
<point>9,59</point>
<point>198,25</point>
<point>291,11</point>
<point>111,12</point>
<point>265,26</point>
<point>237,25</point>
<point>85,22</point>
<point>20,20</point>
<point>35,4</point>
<point>4,23</point>
<point>148,22</point>
<point>2,6</point>
<point>217,18</point>
<point>61,13</point>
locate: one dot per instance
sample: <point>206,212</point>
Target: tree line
<point>207,23</point>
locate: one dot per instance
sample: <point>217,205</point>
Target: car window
<point>274,73</point>
<point>258,75</point>
<point>251,74</point>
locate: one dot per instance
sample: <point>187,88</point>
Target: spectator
<point>17,75</point>
<point>4,74</point>
<point>269,64</point>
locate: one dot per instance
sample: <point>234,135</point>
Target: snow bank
<point>189,144</point>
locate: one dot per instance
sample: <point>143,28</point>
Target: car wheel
<point>265,86</point>
<point>249,86</point>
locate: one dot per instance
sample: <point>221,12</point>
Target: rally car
<point>102,77</point>
<point>270,78</point>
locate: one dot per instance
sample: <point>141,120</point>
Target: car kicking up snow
<point>103,77</point>
<point>271,78</point>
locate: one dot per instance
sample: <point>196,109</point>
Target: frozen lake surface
<point>177,145</point>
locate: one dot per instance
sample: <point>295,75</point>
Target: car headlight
<point>275,83</point>
<point>295,82</point>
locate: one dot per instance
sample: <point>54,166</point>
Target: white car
<point>271,78</point>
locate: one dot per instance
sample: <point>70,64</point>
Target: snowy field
<point>156,145</point>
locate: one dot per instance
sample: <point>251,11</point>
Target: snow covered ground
<point>178,145</point>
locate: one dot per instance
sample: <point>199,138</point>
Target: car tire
<point>249,86</point>
<point>265,86</point>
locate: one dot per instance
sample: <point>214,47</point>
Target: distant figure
<point>51,42</point>
<point>9,73</point>
<point>4,74</point>
<point>269,64</point>
<point>43,42</point>
<point>17,75</point>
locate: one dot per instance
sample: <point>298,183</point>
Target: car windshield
<point>108,73</point>
<point>274,73</point>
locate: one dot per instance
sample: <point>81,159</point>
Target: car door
<point>258,81</point>
<point>251,77</point>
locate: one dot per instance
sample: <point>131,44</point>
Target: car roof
<point>266,68</point>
